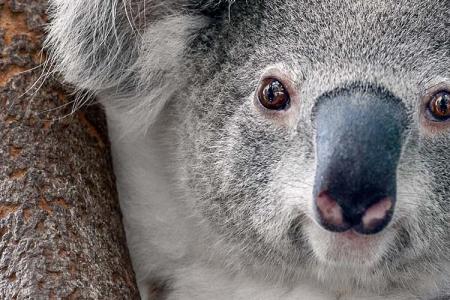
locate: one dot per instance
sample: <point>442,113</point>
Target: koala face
<point>312,136</point>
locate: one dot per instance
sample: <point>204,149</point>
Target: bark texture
<point>61,235</point>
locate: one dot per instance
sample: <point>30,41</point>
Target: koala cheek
<point>411,187</point>
<point>295,180</point>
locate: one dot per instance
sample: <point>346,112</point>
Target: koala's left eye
<point>439,106</point>
<point>273,95</point>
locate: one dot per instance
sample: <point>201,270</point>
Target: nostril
<point>330,212</point>
<point>376,216</point>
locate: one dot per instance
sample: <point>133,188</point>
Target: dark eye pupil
<point>275,89</point>
<point>442,103</point>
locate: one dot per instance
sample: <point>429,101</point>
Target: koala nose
<point>359,136</point>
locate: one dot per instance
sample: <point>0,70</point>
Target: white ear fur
<point>132,62</point>
<point>158,71</point>
<point>90,42</point>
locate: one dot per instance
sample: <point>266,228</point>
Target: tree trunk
<point>61,234</point>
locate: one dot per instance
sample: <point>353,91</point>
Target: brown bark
<point>61,234</point>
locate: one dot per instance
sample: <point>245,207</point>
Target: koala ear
<point>91,42</point>
<point>96,44</point>
<point>131,51</point>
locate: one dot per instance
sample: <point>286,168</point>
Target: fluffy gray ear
<point>129,50</point>
<point>91,42</point>
<point>96,44</point>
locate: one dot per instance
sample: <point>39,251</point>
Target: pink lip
<point>351,237</point>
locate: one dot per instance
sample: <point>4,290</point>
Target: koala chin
<point>273,149</point>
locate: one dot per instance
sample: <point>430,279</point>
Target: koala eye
<point>439,106</point>
<point>273,95</point>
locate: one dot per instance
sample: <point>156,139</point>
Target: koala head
<point>312,136</point>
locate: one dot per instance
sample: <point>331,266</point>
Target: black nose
<point>358,144</point>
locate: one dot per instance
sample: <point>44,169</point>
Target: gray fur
<point>184,73</point>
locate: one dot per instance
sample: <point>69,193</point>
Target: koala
<point>273,149</point>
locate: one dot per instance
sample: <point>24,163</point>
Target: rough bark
<point>60,227</point>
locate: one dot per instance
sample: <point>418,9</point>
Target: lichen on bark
<point>60,226</point>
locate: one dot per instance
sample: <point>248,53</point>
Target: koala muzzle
<point>359,136</point>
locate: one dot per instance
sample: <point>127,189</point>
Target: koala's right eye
<point>273,95</point>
